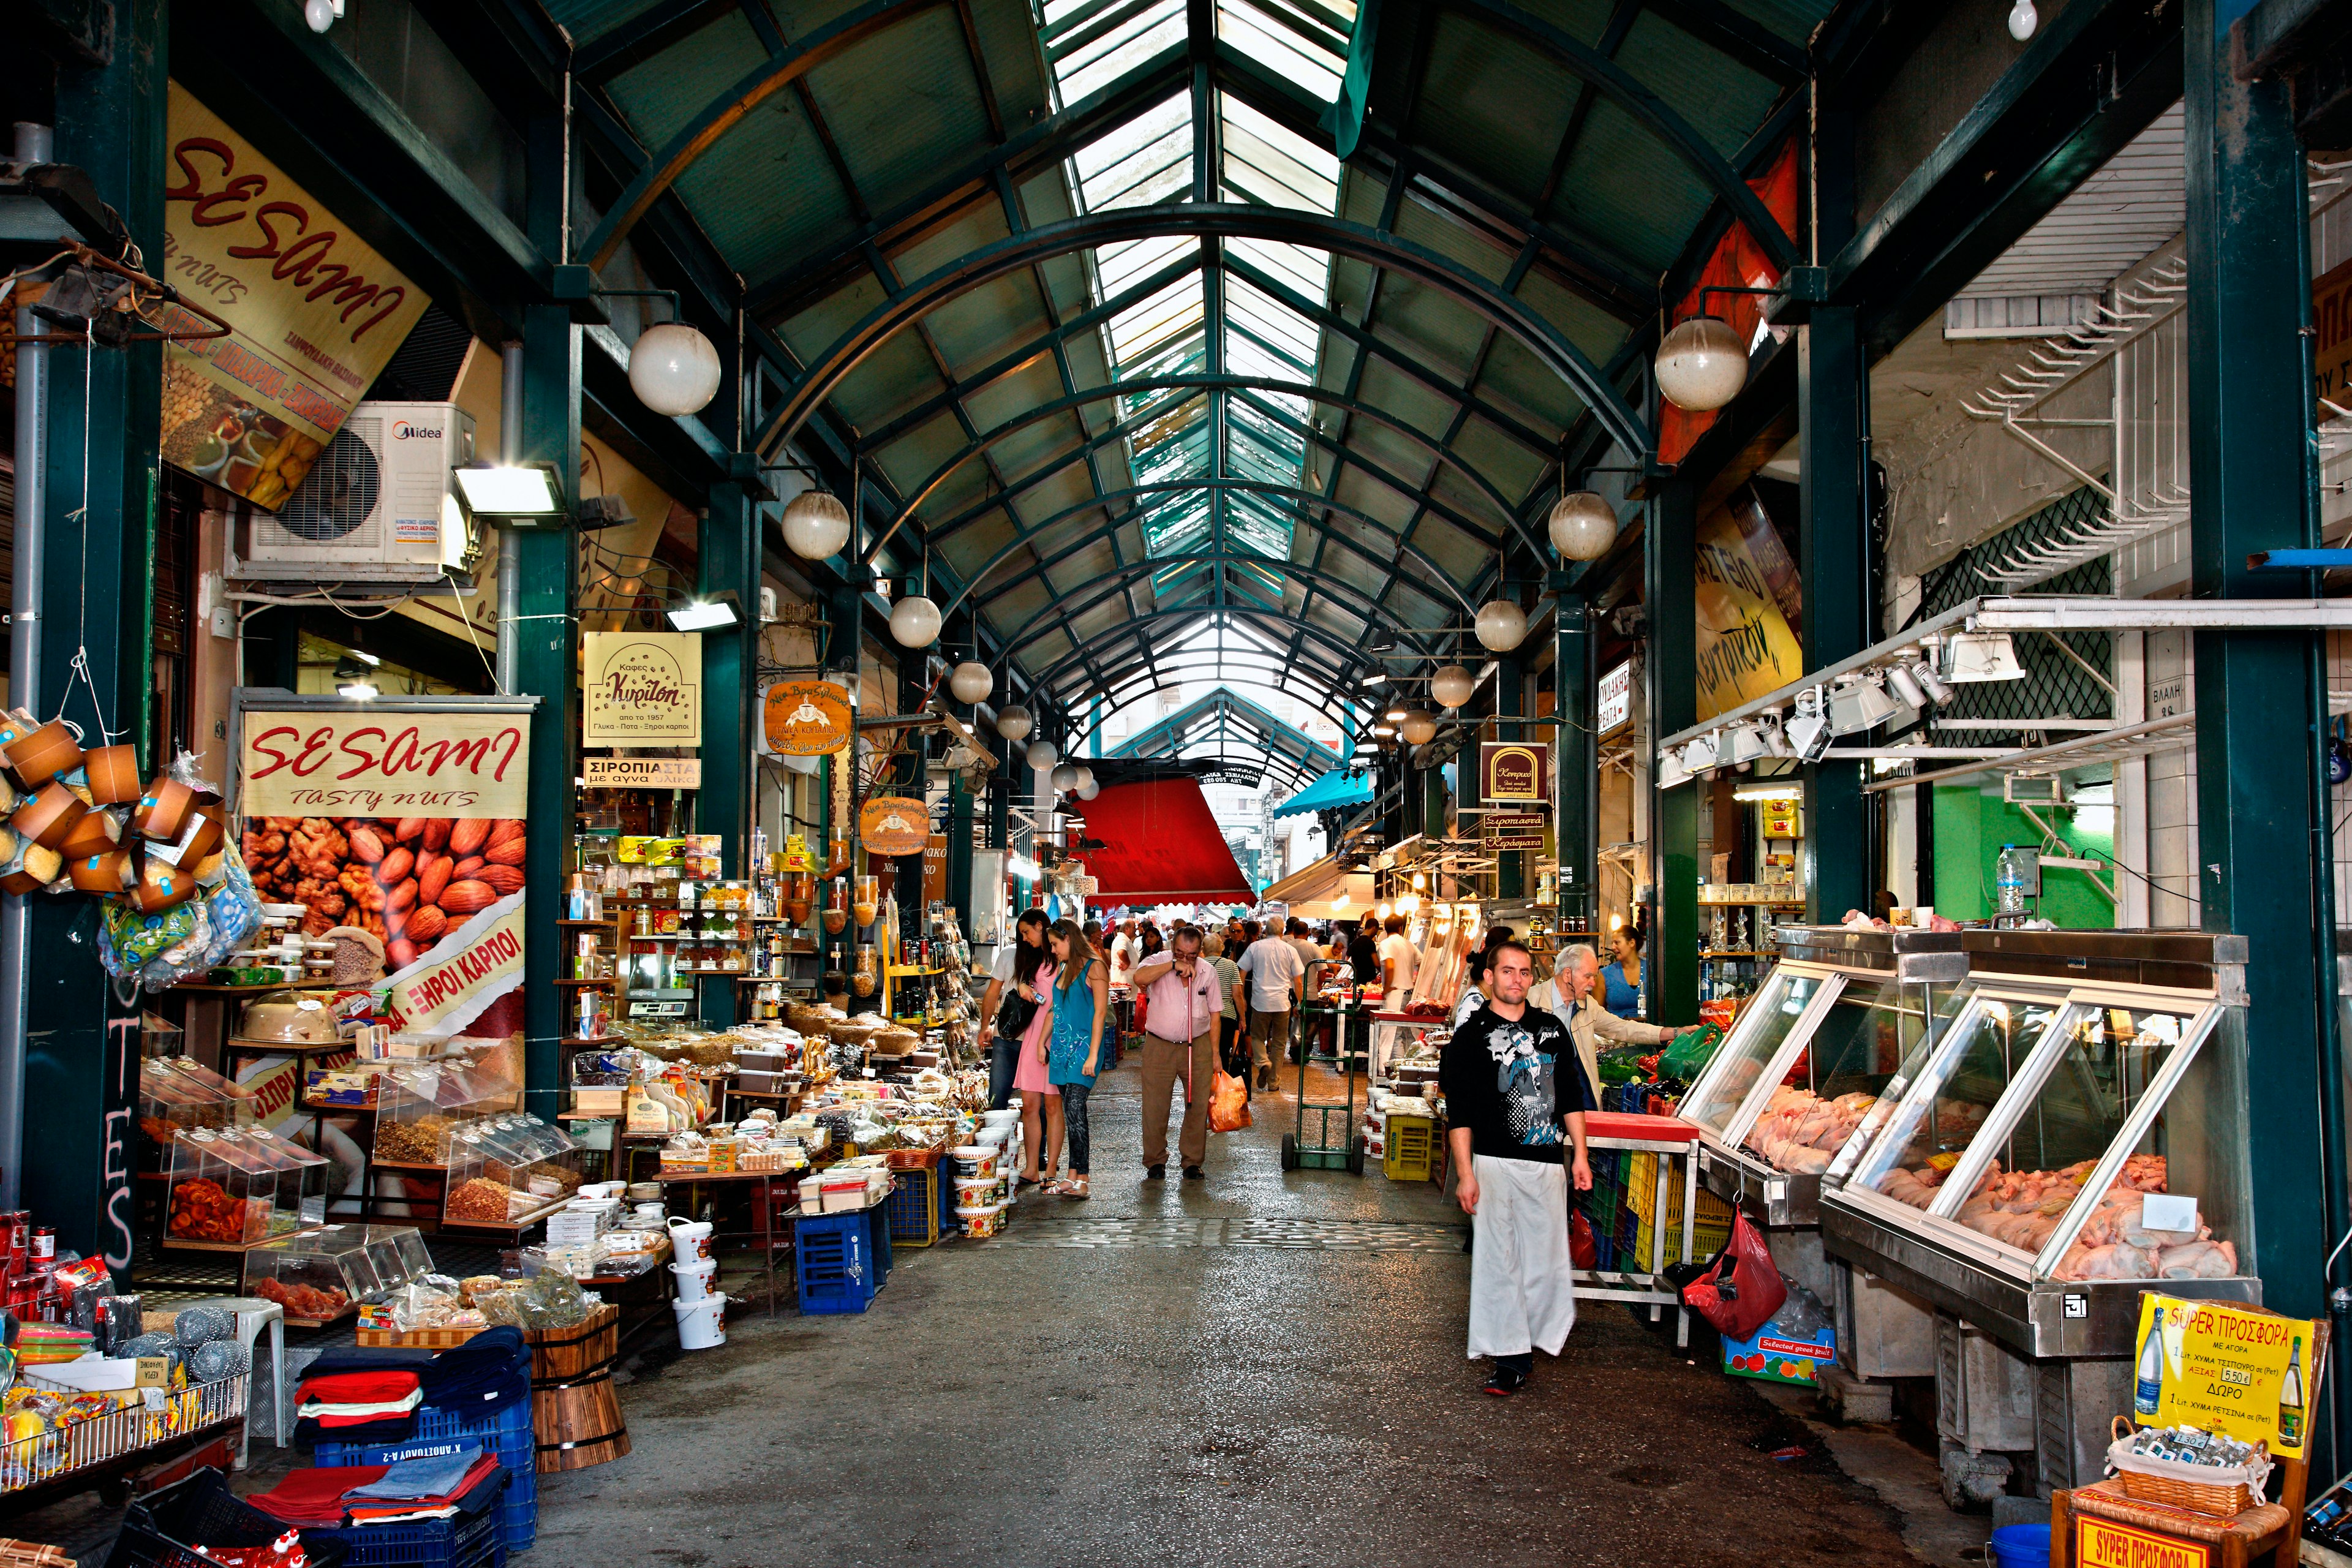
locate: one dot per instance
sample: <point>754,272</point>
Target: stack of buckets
<point>982,1172</point>
<point>701,1309</point>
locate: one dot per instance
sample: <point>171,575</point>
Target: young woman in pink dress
<point>1030,1078</point>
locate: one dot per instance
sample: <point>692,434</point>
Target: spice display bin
<point>228,1190</point>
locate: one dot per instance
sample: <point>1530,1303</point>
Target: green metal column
<point>1510,699</point>
<point>1433,799</point>
<point>1669,552</point>
<point>1833,388</point>
<point>2263,838</point>
<point>1576,756</point>
<point>98,595</point>
<point>546,633</point>
<point>726,560</point>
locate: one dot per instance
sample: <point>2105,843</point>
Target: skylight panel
<point>1270,164</point>
<point>1094,55</point>
<point>1292,39</point>
<point>1145,159</point>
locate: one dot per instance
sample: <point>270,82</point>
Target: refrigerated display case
<point>2084,1072</point>
<point>1834,1031</point>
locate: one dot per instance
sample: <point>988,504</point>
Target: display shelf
<point>585,925</point>
<point>597,1041</point>
<point>505,1227</point>
<point>583,984</point>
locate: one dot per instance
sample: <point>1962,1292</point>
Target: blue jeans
<point>1004,1061</point>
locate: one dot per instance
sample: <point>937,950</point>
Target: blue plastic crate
<point>507,1435</point>
<point>878,1238</point>
<point>833,1262</point>
<point>468,1541</point>
<point>914,1218</point>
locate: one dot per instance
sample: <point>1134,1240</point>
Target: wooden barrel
<point>578,1424</point>
<point>567,1355</point>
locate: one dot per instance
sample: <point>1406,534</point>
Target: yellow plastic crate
<point>1711,1233</point>
<point>1410,1148</point>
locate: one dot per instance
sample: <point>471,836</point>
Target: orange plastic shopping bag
<point>1229,1108</point>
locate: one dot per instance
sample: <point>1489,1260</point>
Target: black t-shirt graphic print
<point>1510,1082</point>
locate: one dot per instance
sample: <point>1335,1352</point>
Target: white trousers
<point>1521,1296</point>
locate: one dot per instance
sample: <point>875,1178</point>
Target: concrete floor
<point>1255,1369</point>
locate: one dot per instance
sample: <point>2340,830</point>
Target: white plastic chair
<point>252,1314</point>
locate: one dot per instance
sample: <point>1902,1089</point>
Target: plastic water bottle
<point>2009,881</point>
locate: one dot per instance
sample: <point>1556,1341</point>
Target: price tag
<point>2168,1211</point>
<point>154,1374</point>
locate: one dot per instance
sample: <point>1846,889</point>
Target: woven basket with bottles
<point>2223,1491</point>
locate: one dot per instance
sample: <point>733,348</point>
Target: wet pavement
<point>1261,1368</point>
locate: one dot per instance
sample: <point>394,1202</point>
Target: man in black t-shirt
<point>1516,1097</point>
<point>1364,953</point>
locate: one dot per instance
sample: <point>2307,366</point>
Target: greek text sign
<point>385,763</point>
<point>1616,704</point>
<point>1512,830</point>
<point>317,313</point>
<point>641,773</point>
<point>2238,1371</point>
<point>643,688</point>
<point>893,824</point>
<point>806,718</point>
<point>1511,772</point>
<point>2105,1543</point>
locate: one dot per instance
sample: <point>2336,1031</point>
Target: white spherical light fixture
<point>971,682</point>
<point>1012,721</point>
<point>1702,364</point>
<point>673,369</point>
<point>319,13</point>
<point>1088,790</point>
<point>816,525</point>
<point>1419,728</point>
<point>1583,525</point>
<point>1065,779</point>
<point>1452,685</point>
<point>1501,625</point>
<point>914,622</point>
<point>2022,20</point>
<point>1086,779</point>
<point>1042,755</point>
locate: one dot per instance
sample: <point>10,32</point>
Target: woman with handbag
<point>1041,1102</point>
<point>1073,1050</point>
<point>1003,1014</point>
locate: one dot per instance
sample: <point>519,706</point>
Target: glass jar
<point>868,971</point>
<point>800,892</point>
<point>866,902</point>
<point>836,905</point>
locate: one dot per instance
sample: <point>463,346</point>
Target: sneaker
<point>1194,1173</point>
<point>1155,1173</point>
<point>1505,1381</point>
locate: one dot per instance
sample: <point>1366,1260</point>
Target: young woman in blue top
<point>1081,1004</point>
<point>1621,977</point>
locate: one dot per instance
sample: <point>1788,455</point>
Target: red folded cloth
<point>369,1511</point>
<point>316,1495</point>
<point>358,1388</point>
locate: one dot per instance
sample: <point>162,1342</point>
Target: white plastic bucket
<point>694,1279</point>
<point>691,1237</point>
<point>701,1325</point>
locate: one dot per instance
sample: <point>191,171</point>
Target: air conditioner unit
<point>377,506</point>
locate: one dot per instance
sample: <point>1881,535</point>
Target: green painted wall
<point>1970,829</point>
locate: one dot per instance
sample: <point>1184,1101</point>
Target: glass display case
<point>2084,1074</point>
<point>507,1170</point>
<point>420,1104</point>
<point>320,1275</point>
<point>176,1094</point>
<point>230,1189</point>
<point>1836,1026</point>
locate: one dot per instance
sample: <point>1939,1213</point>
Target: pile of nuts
<point>408,879</point>
<point>479,1199</point>
<point>424,1142</point>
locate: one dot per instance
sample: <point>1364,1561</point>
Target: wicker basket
<point>2144,1481</point>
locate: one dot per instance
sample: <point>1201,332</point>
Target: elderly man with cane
<point>1180,1040</point>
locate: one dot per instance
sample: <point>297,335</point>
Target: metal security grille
<point>2056,686</point>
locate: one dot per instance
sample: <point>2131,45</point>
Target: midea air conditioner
<point>377,506</point>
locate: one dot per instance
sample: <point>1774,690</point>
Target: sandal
<point>1076,1187</point>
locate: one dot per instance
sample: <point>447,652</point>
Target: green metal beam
<point>1578,756</point>
<point>1669,551</point>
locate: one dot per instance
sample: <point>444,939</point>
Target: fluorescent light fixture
<point>1769,791</point>
<point>367,659</point>
<point>1375,678</point>
<point>1394,714</point>
<point>358,690</point>
<point>521,493</point>
<point>706,615</point>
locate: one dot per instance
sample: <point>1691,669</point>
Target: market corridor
<point>1255,1369</point>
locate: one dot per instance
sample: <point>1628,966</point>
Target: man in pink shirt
<point>1180,1040</point>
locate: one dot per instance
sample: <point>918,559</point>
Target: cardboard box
<point>1773,1357</point>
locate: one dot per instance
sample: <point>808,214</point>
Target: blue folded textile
<point>433,1475</point>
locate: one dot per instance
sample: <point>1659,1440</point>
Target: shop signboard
<point>1499,830</point>
<point>1615,708</point>
<point>642,688</point>
<point>891,825</point>
<point>2111,1543</point>
<point>806,718</point>
<point>935,868</point>
<point>1514,771</point>
<point>410,822</point>
<point>316,314</point>
<point>641,773</point>
<point>1747,606</point>
<point>2241,1371</point>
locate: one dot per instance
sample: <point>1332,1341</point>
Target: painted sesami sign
<point>384,764</point>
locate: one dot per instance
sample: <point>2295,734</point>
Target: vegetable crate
<point>1709,1235</point>
<point>833,1263</point>
<point>467,1541</point>
<point>913,1207</point>
<point>1408,1148</point>
<point>508,1434</point>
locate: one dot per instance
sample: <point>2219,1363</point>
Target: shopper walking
<point>1016,964</point>
<point>1081,1009</point>
<point>1229,995</point>
<point>1515,1098</point>
<point>1482,959</point>
<point>1573,1001</point>
<point>1181,1044</point>
<point>1123,955</point>
<point>1398,962</point>
<point>1041,1102</point>
<point>1278,984</point>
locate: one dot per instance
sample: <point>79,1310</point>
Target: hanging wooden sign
<point>892,824</point>
<point>643,688</point>
<point>806,718</point>
<point>1511,772</point>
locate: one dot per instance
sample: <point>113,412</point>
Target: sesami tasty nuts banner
<point>407,824</point>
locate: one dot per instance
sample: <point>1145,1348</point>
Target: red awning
<point>1160,846</point>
